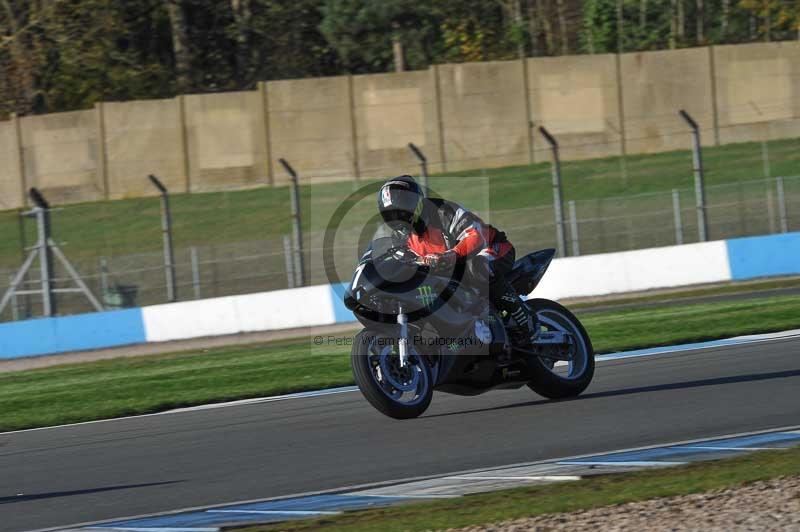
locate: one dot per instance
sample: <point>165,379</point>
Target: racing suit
<point>486,253</point>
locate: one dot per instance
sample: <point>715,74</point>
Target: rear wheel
<point>401,392</point>
<point>559,379</point>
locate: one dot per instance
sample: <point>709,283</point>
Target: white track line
<point>154,529</point>
<point>641,463</point>
<point>274,512</point>
<point>713,448</point>
<point>544,478</point>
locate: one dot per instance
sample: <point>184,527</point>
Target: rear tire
<point>546,381</point>
<point>363,361</point>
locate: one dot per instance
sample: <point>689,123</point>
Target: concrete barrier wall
<point>764,256</point>
<point>63,156</point>
<point>390,111</point>
<point>464,116</point>
<point>758,91</point>
<point>143,138</point>
<point>577,99</point>
<point>11,188</point>
<point>282,309</point>
<point>591,275</point>
<point>655,85</point>
<point>48,336</point>
<point>631,271</point>
<point>226,140</point>
<point>311,126</point>
<point>484,114</point>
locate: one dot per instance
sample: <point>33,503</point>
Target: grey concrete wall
<point>225,140</point>
<point>142,138</point>
<point>10,180</point>
<point>465,116</point>
<point>577,99</point>
<point>655,85</point>
<point>484,114</point>
<point>310,125</point>
<point>61,155</point>
<point>390,111</point>
<point>758,91</point>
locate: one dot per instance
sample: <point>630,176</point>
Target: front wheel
<point>561,379</point>
<point>400,392</point>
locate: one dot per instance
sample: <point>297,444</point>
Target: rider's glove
<point>440,261</point>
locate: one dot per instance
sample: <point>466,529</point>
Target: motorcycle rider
<point>443,233</point>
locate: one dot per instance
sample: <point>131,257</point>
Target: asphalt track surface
<point>127,467</point>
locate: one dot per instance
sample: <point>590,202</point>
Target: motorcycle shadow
<point>716,381</point>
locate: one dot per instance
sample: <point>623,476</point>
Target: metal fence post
<point>296,225</point>
<point>166,229</point>
<point>23,251</point>
<point>287,255</point>
<point>771,212</point>
<point>46,250</point>
<point>699,183</point>
<point>782,205</point>
<point>14,300</point>
<point>423,163</point>
<point>43,228</point>
<point>676,211</point>
<point>195,271</point>
<point>20,153</point>
<point>102,155</point>
<point>558,201</point>
<point>573,229</point>
<point>103,277</point>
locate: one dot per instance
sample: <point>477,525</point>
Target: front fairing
<point>388,279</point>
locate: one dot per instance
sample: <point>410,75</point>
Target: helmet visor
<point>399,205</point>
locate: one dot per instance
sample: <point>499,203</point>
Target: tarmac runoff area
<point>324,452</point>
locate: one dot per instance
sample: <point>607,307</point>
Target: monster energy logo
<point>426,295</point>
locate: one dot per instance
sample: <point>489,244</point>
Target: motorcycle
<point>426,330</point>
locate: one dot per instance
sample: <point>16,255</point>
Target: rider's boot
<point>525,327</point>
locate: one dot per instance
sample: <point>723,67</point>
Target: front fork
<point>402,341</point>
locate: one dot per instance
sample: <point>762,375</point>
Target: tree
<point>18,54</point>
<point>59,55</point>
<point>285,42</point>
<point>600,26</point>
<point>603,33</point>
<point>242,15</point>
<point>180,42</point>
<point>777,18</point>
<point>78,52</point>
<point>363,32</point>
<point>513,12</point>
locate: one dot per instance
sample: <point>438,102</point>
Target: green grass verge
<point>493,507</point>
<point>125,386</point>
<point>133,226</point>
<point>750,288</point>
<point>635,328</point>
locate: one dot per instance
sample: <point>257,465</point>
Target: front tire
<point>549,379</point>
<point>397,392</point>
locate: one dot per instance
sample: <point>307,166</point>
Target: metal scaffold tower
<point>47,252</point>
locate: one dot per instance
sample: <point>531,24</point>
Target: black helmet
<point>400,200</point>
